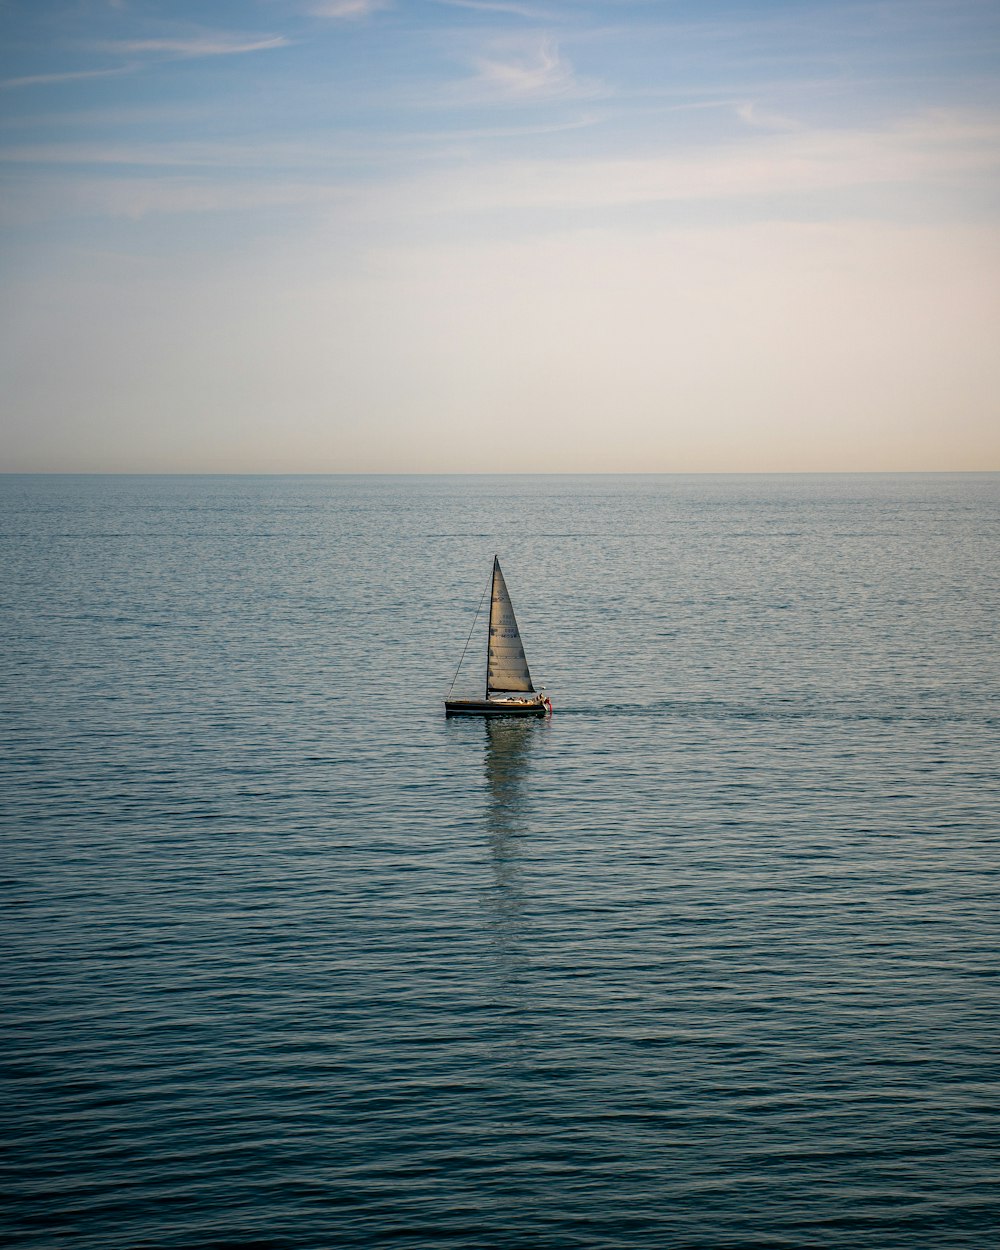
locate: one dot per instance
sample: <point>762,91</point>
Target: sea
<point>708,959</point>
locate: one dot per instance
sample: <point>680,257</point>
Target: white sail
<point>506,667</point>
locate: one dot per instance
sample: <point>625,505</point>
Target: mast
<point>489,626</point>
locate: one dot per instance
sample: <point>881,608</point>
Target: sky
<point>434,236</point>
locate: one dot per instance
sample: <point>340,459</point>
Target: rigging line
<point>469,639</point>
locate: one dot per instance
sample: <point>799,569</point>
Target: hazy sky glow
<point>499,235</point>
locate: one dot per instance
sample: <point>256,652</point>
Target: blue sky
<point>477,235</point>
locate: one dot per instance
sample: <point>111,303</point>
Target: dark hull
<point>493,707</point>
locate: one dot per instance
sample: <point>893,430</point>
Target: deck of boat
<point>494,707</point>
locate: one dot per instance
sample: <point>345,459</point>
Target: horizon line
<point>485,474</point>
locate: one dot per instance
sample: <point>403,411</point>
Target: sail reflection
<point>508,747</point>
<point>507,754</point>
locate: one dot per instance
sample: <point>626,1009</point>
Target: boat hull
<point>495,707</point>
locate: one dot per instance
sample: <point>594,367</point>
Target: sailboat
<point>509,691</point>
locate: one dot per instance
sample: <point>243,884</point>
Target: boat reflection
<point>508,750</point>
<point>506,762</point>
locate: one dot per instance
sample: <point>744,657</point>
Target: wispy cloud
<point>210,154</point>
<point>528,69</point>
<point>938,151</point>
<point>501,6</point>
<point>34,80</point>
<point>380,154</point>
<point>929,153</point>
<point>346,8</point>
<point>207,45</point>
<point>201,45</point>
<point>142,196</point>
<point>750,112</point>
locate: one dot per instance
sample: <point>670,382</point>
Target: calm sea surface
<point>709,959</point>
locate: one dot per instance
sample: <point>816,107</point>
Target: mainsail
<point>506,667</point>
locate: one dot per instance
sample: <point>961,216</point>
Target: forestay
<point>506,667</point>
